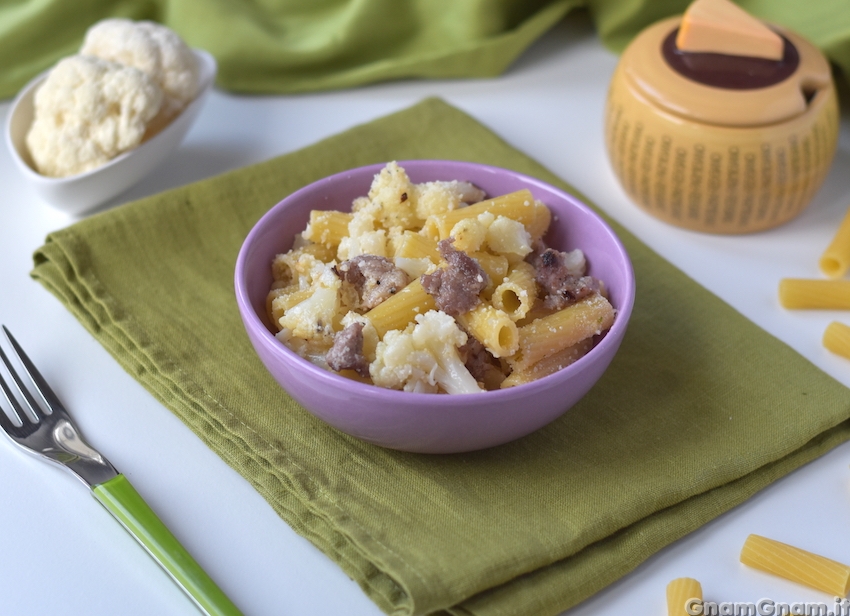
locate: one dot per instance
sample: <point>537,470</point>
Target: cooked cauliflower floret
<point>500,234</point>
<point>313,318</point>
<point>435,198</point>
<point>575,262</point>
<point>392,193</point>
<point>509,237</point>
<point>297,267</point>
<point>87,112</point>
<point>364,234</point>
<point>400,365</point>
<point>471,233</point>
<point>152,48</point>
<point>424,357</point>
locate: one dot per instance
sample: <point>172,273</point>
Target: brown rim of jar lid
<point>731,72</point>
<point>647,71</point>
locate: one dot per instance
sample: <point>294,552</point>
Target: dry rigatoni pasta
<point>836,338</point>
<point>682,595</point>
<point>835,260</point>
<point>802,293</point>
<point>797,565</point>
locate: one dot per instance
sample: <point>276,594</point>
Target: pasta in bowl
<point>307,273</point>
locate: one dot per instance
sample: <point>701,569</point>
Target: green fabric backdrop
<point>284,46</point>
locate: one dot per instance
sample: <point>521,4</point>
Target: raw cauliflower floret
<point>152,48</point>
<point>87,112</point>
<point>424,357</point>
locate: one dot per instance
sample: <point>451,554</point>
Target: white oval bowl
<point>76,194</point>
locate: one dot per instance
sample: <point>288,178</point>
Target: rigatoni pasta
<point>797,565</point>
<point>493,328</point>
<point>282,299</point>
<point>835,260</point>
<point>496,267</point>
<point>520,206</point>
<point>836,338</point>
<point>398,311</point>
<point>802,293</point>
<point>682,593</point>
<point>550,364</point>
<point>327,227</point>
<point>517,293</point>
<point>411,245</point>
<point>554,333</point>
<point>415,289</point>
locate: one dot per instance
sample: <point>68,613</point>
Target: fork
<point>47,431</point>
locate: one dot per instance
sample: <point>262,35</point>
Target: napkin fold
<point>699,410</point>
<point>300,46</point>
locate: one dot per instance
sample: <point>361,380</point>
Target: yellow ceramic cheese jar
<point>721,144</point>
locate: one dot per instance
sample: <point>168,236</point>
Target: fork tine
<point>47,395</point>
<point>14,407</point>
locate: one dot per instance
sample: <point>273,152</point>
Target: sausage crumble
<point>455,288</point>
<point>374,278</point>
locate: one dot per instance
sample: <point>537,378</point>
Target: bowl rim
<point>404,398</point>
<point>208,71</point>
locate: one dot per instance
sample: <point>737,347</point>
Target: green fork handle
<point>121,499</point>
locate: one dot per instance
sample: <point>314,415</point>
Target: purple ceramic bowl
<point>431,423</point>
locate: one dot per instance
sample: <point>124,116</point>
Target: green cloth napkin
<point>305,45</point>
<point>698,411</point>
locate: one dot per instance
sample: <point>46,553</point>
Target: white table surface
<point>61,552</point>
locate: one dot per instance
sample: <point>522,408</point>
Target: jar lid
<point>724,90</point>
